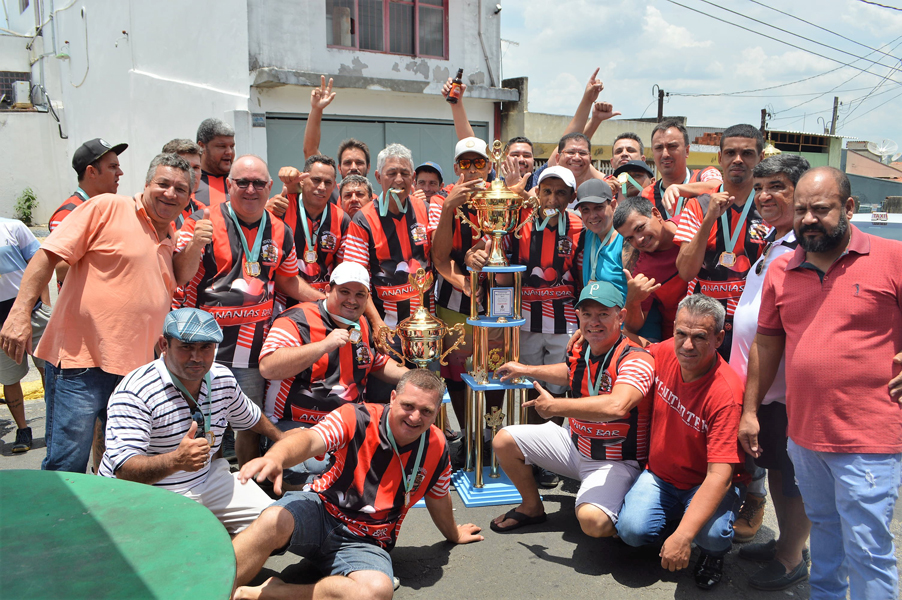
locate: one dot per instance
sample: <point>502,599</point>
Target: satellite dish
<point>896,157</point>
<point>884,149</point>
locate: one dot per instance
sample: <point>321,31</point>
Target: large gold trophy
<point>496,211</point>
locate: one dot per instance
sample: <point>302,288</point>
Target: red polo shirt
<point>841,336</point>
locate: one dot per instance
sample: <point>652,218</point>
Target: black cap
<point>632,166</point>
<point>91,150</point>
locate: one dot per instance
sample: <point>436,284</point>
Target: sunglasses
<point>466,163</point>
<point>760,266</point>
<point>243,184</point>
<point>198,417</point>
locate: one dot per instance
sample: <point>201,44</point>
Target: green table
<point>65,535</point>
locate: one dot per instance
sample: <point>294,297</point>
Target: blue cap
<point>432,167</point>
<point>192,326</point>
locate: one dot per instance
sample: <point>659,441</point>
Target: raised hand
<point>192,453</point>
<point>446,89</point>
<point>543,404</point>
<point>203,229</point>
<point>640,287</point>
<point>476,259</point>
<point>602,111</point>
<point>593,87</point>
<point>278,205</point>
<point>322,96</point>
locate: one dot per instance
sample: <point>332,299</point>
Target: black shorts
<point>772,440</point>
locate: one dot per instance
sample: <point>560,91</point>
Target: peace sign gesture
<point>322,96</point>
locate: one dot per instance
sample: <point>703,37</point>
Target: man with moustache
<point>234,274</point>
<point>721,234</point>
<point>318,357</point>
<point>120,254</point>
<point>606,437</point>
<point>183,397</point>
<point>765,424</point>
<point>670,148</point>
<point>837,297</point>
<point>388,458</point>
<point>355,192</point>
<point>654,283</point>
<point>640,177</point>
<point>217,140</point>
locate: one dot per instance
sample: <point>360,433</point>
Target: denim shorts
<point>327,542</point>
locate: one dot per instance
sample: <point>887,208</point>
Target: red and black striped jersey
<point>329,243</point>
<point>212,190</point>
<point>654,193</point>
<point>241,304</point>
<point>553,273</point>
<point>623,439</point>
<point>715,280</point>
<point>364,489</point>
<point>391,248</point>
<point>334,380</point>
<point>72,202</point>
<point>462,239</point>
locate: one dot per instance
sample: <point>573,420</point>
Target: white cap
<point>559,172</point>
<point>350,272</point>
<point>471,144</point>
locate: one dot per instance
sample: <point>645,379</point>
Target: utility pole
<point>835,115</point>
<point>660,105</point>
<point>763,122</point>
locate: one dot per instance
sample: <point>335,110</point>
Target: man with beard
<point>217,140</point>
<point>838,298</point>
<point>721,234</point>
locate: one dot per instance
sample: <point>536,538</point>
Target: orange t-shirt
<point>118,290</point>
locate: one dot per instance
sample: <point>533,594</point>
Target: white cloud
<point>668,35</point>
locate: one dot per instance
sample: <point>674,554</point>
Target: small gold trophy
<point>421,333</point>
<point>493,421</point>
<point>497,210</point>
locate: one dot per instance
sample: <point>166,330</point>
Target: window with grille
<point>408,27</point>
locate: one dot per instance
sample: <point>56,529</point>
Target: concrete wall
<point>288,41</point>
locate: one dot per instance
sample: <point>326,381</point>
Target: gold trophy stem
<point>468,417</point>
<point>497,258</point>
<point>474,288</point>
<point>480,409</point>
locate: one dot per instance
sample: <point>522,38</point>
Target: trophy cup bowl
<point>497,210</point>
<point>421,333</point>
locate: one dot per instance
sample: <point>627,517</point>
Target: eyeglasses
<point>466,163</point>
<point>243,184</point>
<point>760,266</point>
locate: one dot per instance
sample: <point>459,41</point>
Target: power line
<point>739,95</point>
<point>830,31</point>
<point>868,95</point>
<point>873,109</point>
<point>848,64</point>
<point>807,39</point>
<point>880,5</point>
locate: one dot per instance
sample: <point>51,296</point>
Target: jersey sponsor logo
<point>328,242</point>
<point>418,234</point>
<point>721,290</point>
<point>239,315</point>
<point>689,418</point>
<point>303,415</point>
<point>608,433</point>
<point>362,355</point>
<point>395,292</point>
<point>564,247</point>
<point>269,253</point>
<point>549,293</point>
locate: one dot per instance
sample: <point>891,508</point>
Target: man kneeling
<point>387,458</point>
<point>183,400</point>
<point>608,420</point>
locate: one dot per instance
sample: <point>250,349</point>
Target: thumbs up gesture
<point>192,453</point>
<point>476,258</point>
<point>203,230</point>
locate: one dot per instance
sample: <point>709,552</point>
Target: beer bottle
<point>456,90</point>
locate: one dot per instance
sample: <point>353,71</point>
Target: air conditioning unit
<point>21,94</point>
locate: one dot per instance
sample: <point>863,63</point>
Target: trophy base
<point>493,493</point>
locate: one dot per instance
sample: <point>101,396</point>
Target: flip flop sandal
<point>521,521</point>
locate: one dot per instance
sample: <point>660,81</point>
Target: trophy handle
<point>383,342</point>
<point>532,204</point>
<point>459,328</point>
<point>462,217</point>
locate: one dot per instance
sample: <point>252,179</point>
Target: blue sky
<point>640,43</point>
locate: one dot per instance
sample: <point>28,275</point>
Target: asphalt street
<point>551,560</point>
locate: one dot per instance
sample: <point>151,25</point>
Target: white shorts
<point>236,505</point>
<point>604,483</point>
<point>12,373</point>
<point>544,349</point>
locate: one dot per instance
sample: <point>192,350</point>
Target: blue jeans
<point>652,502</point>
<point>75,398</point>
<point>849,499</point>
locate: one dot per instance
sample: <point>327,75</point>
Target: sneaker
<point>396,582</point>
<point>748,522</point>
<point>766,552</point>
<point>774,576</point>
<point>23,440</point>
<point>708,571</point>
<point>547,479</point>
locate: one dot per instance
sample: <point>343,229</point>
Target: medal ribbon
<point>729,242</point>
<point>81,194</point>
<point>383,203</point>
<point>593,389</point>
<point>311,244</point>
<point>252,255</point>
<point>681,201</point>
<point>593,256</point>
<point>181,387</point>
<point>629,179</point>
<point>561,224</point>
<point>408,481</point>
<point>342,320</point>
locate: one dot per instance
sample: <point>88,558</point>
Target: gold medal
<point>310,256</point>
<point>252,268</point>
<point>210,437</point>
<point>406,498</point>
<point>727,259</point>
<point>354,336</point>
